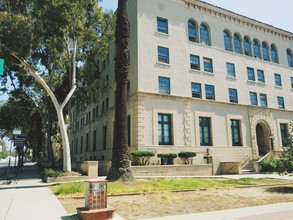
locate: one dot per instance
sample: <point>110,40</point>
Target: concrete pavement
<point>28,198</point>
<point>280,211</point>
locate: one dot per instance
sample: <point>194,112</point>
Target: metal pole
<point>8,169</point>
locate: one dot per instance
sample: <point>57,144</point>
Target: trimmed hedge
<point>187,154</point>
<point>142,153</point>
<point>142,157</point>
<point>169,155</point>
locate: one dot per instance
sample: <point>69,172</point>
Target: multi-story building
<point>201,77</point>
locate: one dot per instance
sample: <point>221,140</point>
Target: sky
<point>278,13</point>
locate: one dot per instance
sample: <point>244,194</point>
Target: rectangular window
<point>253,98</point>
<point>284,134</point>
<point>263,100</point>
<point>97,111</point>
<point>164,129</point>
<point>210,92</point>
<point>162,25</point>
<point>104,137</point>
<point>196,90</point>
<point>281,103</point>
<point>208,65</point>
<point>128,130</point>
<point>164,85</point>
<point>235,132</point>
<point>233,97</point>
<point>94,140</point>
<point>94,113</point>
<point>107,104</point>
<point>260,76</point>
<point>250,74</point>
<point>87,142</point>
<point>163,54</point>
<point>81,144</point>
<point>103,106</point>
<point>76,145</point>
<point>194,62</point>
<point>291,79</point>
<point>205,131</point>
<point>230,69</point>
<point>278,80</point>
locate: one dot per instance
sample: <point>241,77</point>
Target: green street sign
<point>1,66</point>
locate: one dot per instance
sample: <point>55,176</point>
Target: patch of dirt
<point>70,173</point>
<point>177,203</point>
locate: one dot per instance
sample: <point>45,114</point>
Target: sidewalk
<point>280,211</point>
<point>28,198</point>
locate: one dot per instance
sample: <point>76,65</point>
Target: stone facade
<point>195,123</point>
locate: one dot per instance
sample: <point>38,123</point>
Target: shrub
<point>167,159</point>
<point>52,173</point>
<point>269,164</point>
<point>142,157</point>
<point>142,153</point>
<point>187,157</point>
<point>170,155</point>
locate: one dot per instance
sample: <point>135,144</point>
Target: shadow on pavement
<point>281,189</point>
<point>70,217</point>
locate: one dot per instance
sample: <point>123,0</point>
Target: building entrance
<point>263,138</point>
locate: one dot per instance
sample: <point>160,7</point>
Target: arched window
<point>192,33</point>
<point>290,57</point>
<point>247,46</point>
<point>265,51</point>
<point>237,44</point>
<point>256,48</point>
<point>274,54</point>
<point>227,41</point>
<point>204,34</point>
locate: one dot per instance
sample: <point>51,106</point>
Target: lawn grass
<point>159,184</point>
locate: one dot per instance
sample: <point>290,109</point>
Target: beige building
<point>201,77</point>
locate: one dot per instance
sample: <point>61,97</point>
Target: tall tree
<point>64,36</point>
<point>120,168</point>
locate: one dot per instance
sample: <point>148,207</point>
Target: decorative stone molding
<point>259,116</point>
<point>238,19</point>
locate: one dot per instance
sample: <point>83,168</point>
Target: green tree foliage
<point>62,41</point>
<point>285,162</point>
<point>19,112</point>
<point>3,152</point>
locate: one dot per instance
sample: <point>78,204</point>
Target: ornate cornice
<point>238,19</point>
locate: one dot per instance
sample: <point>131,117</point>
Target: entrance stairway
<point>248,168</point>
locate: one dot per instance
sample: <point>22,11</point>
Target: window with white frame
<point>164,129</point>
<point>205,131</point>
<point>235,132</point>
<point>208,65</point>
<point>162,25</point>
<point>230,69</point>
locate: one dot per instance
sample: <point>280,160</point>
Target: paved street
<point>4,171</point>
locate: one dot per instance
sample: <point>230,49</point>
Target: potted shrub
<point>167,159</point>
<point>187,157</point>
<point>142,157</point>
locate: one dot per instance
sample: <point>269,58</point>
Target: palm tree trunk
<point>120,157</point>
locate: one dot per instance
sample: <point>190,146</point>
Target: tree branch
<point>39,79</point>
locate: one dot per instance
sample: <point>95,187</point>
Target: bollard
<point>96,207</point>
<point>96,194</point>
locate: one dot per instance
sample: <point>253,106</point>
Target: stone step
<point>245,171</point>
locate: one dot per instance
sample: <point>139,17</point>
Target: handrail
<point>245,160</point>
<point>264,157</point>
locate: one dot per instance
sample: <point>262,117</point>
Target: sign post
<point>1,66</point>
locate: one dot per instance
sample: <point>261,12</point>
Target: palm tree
<point>120,168</point>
